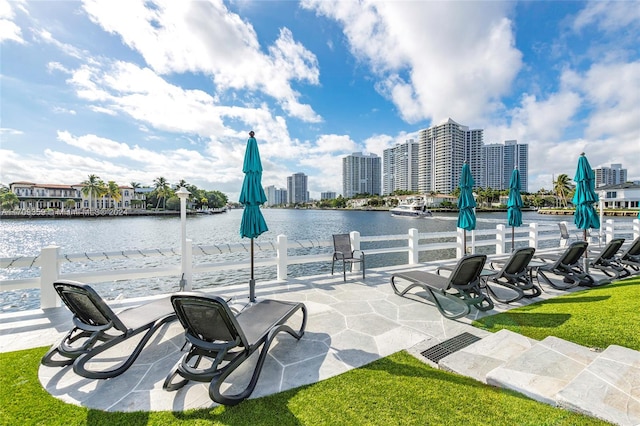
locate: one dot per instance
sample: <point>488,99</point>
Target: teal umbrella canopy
<point>514,204</point>
<point>585,196</point>
<point>466,203</point>
<point>252,196</point>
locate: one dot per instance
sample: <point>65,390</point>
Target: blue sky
<point>134,90</point>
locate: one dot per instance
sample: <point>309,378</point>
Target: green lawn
<point>396,390</point>
<point>596,317</point>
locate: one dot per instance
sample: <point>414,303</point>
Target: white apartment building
<point>275,196</point>
<point>400,168</point>
<point>614,175</point>
<point>442,151</point>
<point>297,188</point>
<point>499,160</point>
<point>361,174</point>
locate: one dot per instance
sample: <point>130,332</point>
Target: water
<point>26,237</point>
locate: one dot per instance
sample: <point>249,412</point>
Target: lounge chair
<point>98,328</point>
<point>631,257</point>
<point>608,262</point>
<point>462,286</point>
<point>342,252</point>
<point>565,237</point>
<point>515,275</point>
<point>569,266</point>
<point>219,341</point>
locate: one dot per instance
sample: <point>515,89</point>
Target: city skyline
<point>174,89</point>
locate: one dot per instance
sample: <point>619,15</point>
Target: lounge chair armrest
<point>444,268</point>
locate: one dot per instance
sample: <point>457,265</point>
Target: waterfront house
<point>39,196</point>
<point>621,196</point>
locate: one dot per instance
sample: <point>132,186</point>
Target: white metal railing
<point>277,253</point>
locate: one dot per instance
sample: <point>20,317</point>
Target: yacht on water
<point>414,207</point>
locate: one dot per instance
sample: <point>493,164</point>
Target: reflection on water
<point>26,237</point>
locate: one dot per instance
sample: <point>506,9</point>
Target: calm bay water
<point>26,237</point>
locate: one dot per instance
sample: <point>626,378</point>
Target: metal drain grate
<point>449,346</point>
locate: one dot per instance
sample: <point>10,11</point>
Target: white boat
<point>413,208</point>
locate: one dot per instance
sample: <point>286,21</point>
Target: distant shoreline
<point>102,213</point>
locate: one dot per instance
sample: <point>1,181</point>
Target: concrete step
<point>478,359</point>
<point>605,385</point>
<point>543,370</point>
<point>609,388</point>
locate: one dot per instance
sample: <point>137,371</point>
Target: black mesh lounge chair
<point>631,257</point>
<point>218,341</point>
<point>569,266</point>
<point>515,275</point>
<point>565,237</point>
<point>462,286</point>
<point>97,328</point>
<point>342,252</point>
<point>608,262</point>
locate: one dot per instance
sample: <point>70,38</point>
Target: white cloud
<point>434,60</point>
<point>203,36</point>
<point>9,30</point>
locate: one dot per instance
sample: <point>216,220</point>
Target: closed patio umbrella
<point>514,204</point>
<point>466,203</point>
<point>585,196</point>
<point>252,196</point>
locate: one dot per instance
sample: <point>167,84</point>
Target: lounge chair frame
<point>219,341</point>
<point>608,262</point>
<point>98,328</point>
<point>568,265</point>
<point>515,275</point>
<point>462,286</point>
<point>342,252</point>
<point>631,257</point>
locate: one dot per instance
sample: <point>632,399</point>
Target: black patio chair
<point>462,286</point>
<point>342,252</point>
<point>608,262</point>
<point>569,265</point>
<point>219,341</point>
<point>631,257</point>
<point>514,275</point>
<point>97,328</point>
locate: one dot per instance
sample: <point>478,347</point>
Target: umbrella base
<point>252,290</point>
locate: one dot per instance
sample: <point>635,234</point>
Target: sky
<point>133,90</point>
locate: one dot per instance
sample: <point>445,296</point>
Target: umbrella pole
<point>513,247</point>
<point>252,281</point>
<point>464,244</point>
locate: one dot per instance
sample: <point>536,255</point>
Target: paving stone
<point>544,370</point>
<point>609,388</point>
<point>478,359</point>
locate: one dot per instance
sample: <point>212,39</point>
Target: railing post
<point>608,231</point>
<point>414,240</point>
<point>500,239</point>
<point>533,235</point>
<point>49,273</point>
<point>188,264</point>
<point>281,256</point>
<point>636,228</point>
<point>459,243</point>
<point>355,245</point>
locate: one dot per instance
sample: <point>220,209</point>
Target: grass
<point>596,317</point>
<point>396,390</point>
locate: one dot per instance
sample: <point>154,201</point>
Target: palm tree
<point>8,200</point>
<point>562,188</point>
<point>162,190</point>
<point>113,191</point>
<point>93,186</point>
